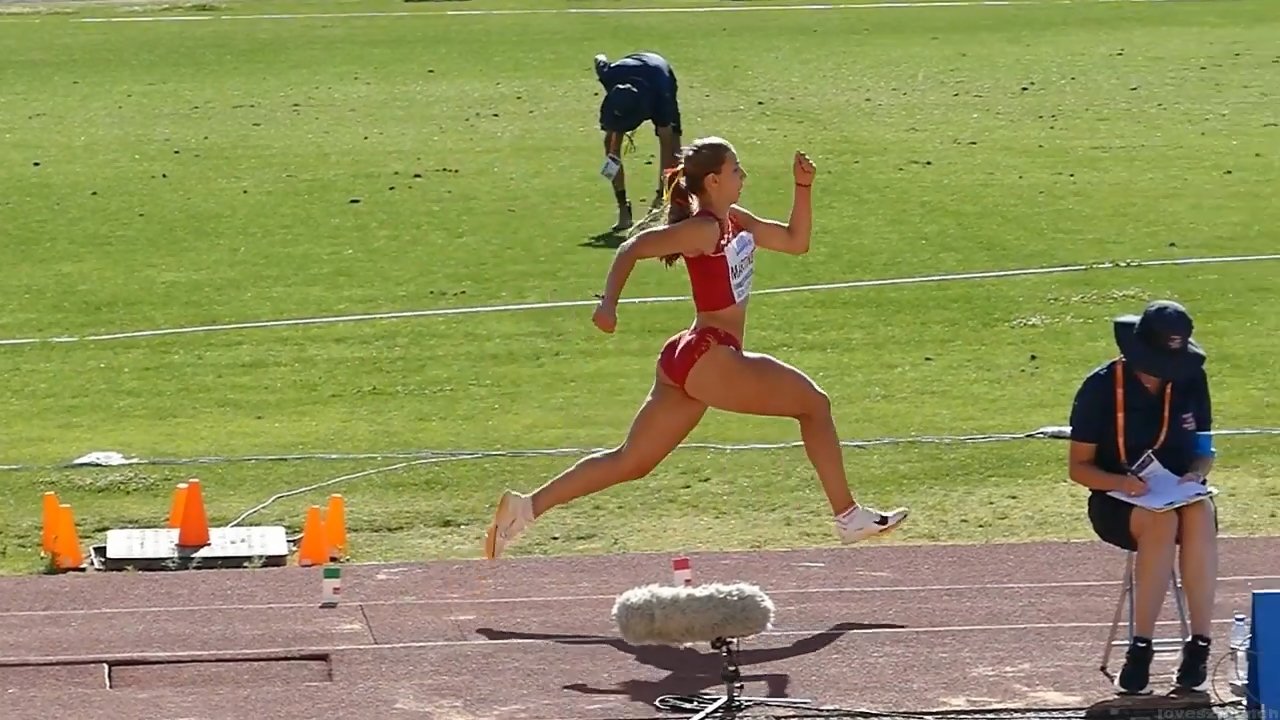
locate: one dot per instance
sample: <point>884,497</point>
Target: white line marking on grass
<point>559,640</point>
<point>481,309</point>
<point>903,4</point>
<point>558,599</point>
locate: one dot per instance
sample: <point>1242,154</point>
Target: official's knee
<point>1197,520</point>
<point>1158,528</point>
<point>1201,512</point>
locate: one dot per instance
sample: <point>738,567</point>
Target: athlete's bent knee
<point>819,402</point>
<point>813,403</point>
<point>805,396</point>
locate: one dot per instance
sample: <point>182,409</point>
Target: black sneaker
<point>1135,676</point>
<point>1193,672</point>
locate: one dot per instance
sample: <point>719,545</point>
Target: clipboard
<point>1164,491</point>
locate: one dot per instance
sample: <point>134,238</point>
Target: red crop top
<point>723,277</point>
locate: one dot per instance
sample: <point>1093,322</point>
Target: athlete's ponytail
<point>676,195</point>
<point>678,201</point>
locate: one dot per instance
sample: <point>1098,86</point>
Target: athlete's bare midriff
<point>732,319</point>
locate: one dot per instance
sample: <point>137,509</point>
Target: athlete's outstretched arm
<point>791,237</point>
<point>693,237</point>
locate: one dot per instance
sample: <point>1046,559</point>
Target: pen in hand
<point>1133,486</point>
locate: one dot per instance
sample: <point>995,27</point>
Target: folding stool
<point>1159,645</point>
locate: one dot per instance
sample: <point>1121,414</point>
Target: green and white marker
<point>331,586</point>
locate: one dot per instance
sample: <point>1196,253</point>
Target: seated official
<point>1154,397</point>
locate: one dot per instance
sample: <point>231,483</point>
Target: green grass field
<point>169,174</point>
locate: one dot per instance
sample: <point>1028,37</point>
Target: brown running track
<point>889,628</point>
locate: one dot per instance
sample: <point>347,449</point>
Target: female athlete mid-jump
<point>705,365</point>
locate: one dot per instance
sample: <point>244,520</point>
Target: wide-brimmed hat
<point>1158,342</point>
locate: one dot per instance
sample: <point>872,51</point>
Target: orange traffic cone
<point>193,530</point>
<point>175,507</point>
<point>66,542</point>
<point>335,527</point>
<point>50,517</point>
<point>313,548</point>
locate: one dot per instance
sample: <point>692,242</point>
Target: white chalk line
<point>901,4</point>
<point>470,601</point>
<point>516,307</point>
<point>135,657</point>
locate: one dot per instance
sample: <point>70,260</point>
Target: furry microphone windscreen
<point>673,615</point>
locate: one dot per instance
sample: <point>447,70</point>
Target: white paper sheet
<point>611,167</point>
<point>1164,491</point>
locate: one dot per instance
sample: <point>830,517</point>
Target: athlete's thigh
<point>751,383</point>
<point>664,420</point>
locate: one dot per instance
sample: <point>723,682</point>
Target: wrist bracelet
<point>803,185</point>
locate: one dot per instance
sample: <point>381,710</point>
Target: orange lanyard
<point>1120,436</point>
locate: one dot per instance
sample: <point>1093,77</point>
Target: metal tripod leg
<point>1180,598</point>
<point>731,702</point>
<point>1126,593</point>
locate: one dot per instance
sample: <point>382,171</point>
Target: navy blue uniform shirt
<point>653,97</point>
<point>1093,419</point>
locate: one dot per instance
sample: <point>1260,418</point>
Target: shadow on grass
<point>608,240</point>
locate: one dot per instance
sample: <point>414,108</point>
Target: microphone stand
<point>731,702</point>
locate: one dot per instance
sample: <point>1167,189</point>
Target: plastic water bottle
<point>1240,643</point>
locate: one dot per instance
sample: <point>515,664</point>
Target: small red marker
<point>682,570</point>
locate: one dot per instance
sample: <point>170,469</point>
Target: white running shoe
<point>514,514</point>
<point>863,522</point>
